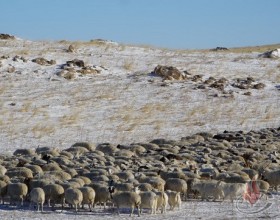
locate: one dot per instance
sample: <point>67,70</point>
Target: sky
<point>177,24</point>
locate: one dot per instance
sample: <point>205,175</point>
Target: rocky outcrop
<point>271,54</point>
<point>43,61</point>
<point>7,37</point>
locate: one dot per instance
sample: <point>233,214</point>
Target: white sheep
<point>17,191</point>
<point>148,201</point>
<point>54,193</point>
<point>37,195</point>
<point>178,185</point>
<point>3,170</point>
<point>125,199</point>
<point>88,196</point>
<point>157,182</point>
<point>207,188</point>
<point>174,199</point>
<point>162,200</point>
<point>232,190</point>
<point>74,197</point>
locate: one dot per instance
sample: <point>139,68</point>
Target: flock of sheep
<point>154,176</point>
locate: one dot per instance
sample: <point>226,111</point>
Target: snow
<point>126,104</point>
<point>189,210</point>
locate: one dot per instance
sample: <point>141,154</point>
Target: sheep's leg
<point>138,210</point>
<point>38,206</point>
<point>42,204</point>
<point>118,210</point>
<point>30,205</point>
<point>49,202</point>
<point>132,209</point>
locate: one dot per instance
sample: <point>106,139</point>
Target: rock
<point>210,80</point>
<point>247,93</point>
<point>11,69</point>
<point>89,70</point>
<point>76,62</point>
<point>7,37</point>
<point>4,57</point>
<point>43,61</point>
<point>196,78</point>
<point>18,58</point>
<point>259,86</point>
<point>271,54</point>
<point>169,73</point>
<point>218,86</point>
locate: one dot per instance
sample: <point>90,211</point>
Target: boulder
<point>169,73</point>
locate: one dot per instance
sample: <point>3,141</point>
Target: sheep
<point>124,175</point>
<point>148,201</point>
<point>263,186</point>
<point>35,169</point>
<point>156,182</point>
<point>207,188</point>
<point>88,146</point>
<point>37,195</point>
<point>123,186</point>
<point>51,167</point>
<point>80,181</point>
<point>3,170</point>
<point>162,200</point>
<point>57,175</point>
<point>74,197</point>
<point>174,199</point>
<point>85,179</point>
<point>178,185</point>
<point>88,196</point>
<point>26,152</point>
<point>232,190</point>
<point>54,193</point>
<point>20,172</point>
<point>17,191</point>
<point>102,194</point>
<point>168,174</point>
<point>272,177</point>
<point>145,187</point>
<point>5,178</point>
<point>125,199</point>
<point>34,183</point>
<point>3,190</point>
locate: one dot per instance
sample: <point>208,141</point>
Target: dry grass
<point>259,49</point>
<point>128,65</point>
<point>42,129</point>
